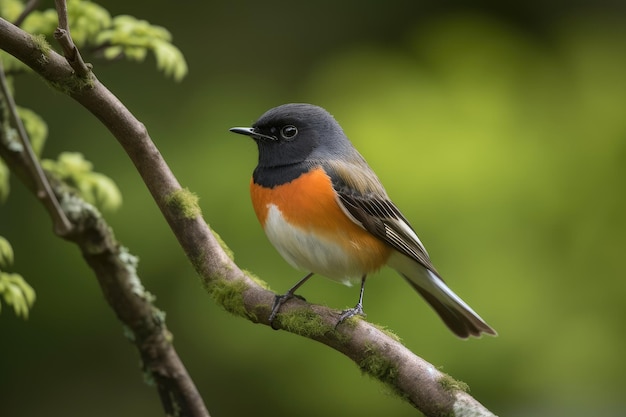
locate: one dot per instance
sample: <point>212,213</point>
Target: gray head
<point>295,133</point>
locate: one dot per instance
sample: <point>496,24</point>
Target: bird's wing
<point>364,200</point>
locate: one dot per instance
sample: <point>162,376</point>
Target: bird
<point>326,212</point>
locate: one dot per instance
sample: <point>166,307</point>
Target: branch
<point>62,35</point>
<point>115,269</point>
<point>374,351</point>
<point>28,9</point>
<point>44,193</point>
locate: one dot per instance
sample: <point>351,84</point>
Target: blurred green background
<point>499,130</point>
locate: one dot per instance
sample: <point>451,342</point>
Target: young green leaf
<point>17,293</point>
<point>134,38</point>
<point>6,253</point>
<point>77,172</point>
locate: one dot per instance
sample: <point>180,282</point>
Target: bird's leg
<point>357,310</point>
<point>279,300</point>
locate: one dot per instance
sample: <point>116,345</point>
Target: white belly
<point>306,251</point>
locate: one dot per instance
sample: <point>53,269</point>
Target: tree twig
<point>376,352</point>
<point>63,36</point>
<point>115,269</point>
<point>62,226</point>
<point>28,9</point>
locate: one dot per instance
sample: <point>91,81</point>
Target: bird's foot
<point>279,300</point>
<point>346,314</point>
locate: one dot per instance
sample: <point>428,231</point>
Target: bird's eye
<point>289,131</point>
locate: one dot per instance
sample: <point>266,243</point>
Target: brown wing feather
<point>367,202</point>
<point>384,220</point>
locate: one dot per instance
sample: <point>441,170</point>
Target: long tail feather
<point>455,313</point>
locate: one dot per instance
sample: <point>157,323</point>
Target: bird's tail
<point>455,313</point>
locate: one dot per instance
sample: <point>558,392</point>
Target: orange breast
<point>309,203</point>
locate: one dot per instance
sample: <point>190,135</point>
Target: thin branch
<point>28,9</point>
<point>61,6</point>
<point>62,226</point>
<point>376,352</point>
<point>115,269</point>
<point>63,36</point>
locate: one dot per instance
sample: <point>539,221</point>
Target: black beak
<point>250,131</point>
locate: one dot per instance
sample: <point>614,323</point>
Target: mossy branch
<point>116,271</point>
<point>372,349</point>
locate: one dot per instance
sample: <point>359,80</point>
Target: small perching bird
<point>327,213</point>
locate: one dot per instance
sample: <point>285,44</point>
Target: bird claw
<point>279,300</point>
<point>351,312</point>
